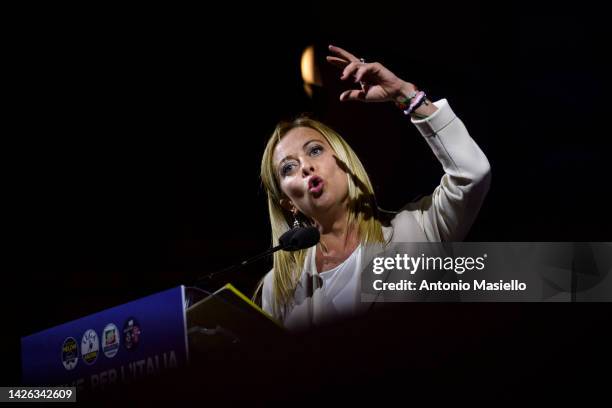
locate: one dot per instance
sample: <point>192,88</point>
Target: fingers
<point>350,69</point>
<point>343,53</point>
<point>363,70</point>
<point>339,62</point>
<point>358,70</point>
<point>353,95</point>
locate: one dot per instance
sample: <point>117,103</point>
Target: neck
<point>333,226</point>
<point>333,221</point>
<point>336,234</point>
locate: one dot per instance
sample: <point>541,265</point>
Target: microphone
<point>299,238</point>
<point>292,240</point>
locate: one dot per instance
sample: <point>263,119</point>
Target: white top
<point>337,292</point>
<point>341,284</point>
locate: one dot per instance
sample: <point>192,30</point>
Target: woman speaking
<point>313,177</point>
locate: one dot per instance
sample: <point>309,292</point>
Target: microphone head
<point>299,238</point>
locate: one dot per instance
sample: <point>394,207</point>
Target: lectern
<point>156,334</point>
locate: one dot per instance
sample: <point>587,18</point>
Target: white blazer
<point>445,215</point>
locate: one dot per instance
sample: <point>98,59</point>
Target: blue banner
<point>116,346</point>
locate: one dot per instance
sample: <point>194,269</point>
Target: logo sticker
<point>90,346</point>
<point>70,353</point>
<point>131,333</point>
<point>110,340</point>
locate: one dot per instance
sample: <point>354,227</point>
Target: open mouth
<point>315,186</point>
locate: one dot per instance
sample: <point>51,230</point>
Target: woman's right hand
<point>378,84</point>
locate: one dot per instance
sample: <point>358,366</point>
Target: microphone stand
<point>232,268</point>
<point>292,240</point>
<point>192,297</point>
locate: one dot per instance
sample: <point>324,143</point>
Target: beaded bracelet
<point>415,102</point>
<point>411,102</point>
<point>403,102</point>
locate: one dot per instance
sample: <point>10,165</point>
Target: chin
<point>324,202</point>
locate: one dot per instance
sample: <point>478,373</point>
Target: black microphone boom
<point>299,238</point>
<point>292,240</point>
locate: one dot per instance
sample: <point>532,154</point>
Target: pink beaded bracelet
<point>415,102</point>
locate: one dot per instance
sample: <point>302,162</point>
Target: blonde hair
<point>363,211</point>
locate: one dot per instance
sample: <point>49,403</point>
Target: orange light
<point>310,71</point>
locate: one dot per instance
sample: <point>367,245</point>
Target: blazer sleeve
<point>449,212</point>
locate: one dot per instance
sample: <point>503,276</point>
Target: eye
<point>316,150</point>
<point>286,168</point>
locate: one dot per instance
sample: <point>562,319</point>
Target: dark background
<point>134,153</point>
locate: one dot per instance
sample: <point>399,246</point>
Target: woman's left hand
<point>378,84</point>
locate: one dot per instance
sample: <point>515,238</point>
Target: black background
<point>134,139</point>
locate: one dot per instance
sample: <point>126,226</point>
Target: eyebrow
<point>303,146</point>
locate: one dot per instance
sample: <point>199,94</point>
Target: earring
<point>296,223</point>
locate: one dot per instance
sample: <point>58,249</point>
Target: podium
<point>227,317</point>
<point>156,335</point>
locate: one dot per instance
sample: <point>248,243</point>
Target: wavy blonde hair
<point>363,211</point>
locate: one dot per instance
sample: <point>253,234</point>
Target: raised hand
<point>377,83</point>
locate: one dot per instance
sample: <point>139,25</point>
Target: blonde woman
<point>313,177</point>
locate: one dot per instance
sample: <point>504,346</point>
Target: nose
<point>307,168</point>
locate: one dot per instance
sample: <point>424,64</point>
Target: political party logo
<point>110,340</point>
<point>131,333</point>
<point>90,346</point>
<point>70,353</point>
